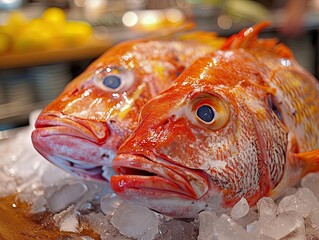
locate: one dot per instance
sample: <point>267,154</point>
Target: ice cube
<point>96,191</point>
<point>28,165</point>
<point>312,223</point>
<point>302,202</point>
<point>91,200</point>
<point>176,229</point>
<point>110,202</point>
<point>240,209</point>
<point>310,181</point>
<point>207,221</point>
<point>286,224</point>
<point>227,229</point>
<point>67,220</point>
<point>134,221</point>
<point>101,225</point>
<point>99,222</point>
<point>254,228</point>
<point>66,195</point>
<point>39,205</point>
<point>267,209</point>
<point>53,176</point>
<point>250,217</point>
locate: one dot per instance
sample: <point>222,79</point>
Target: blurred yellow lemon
<point>16,19</point>
<point>76,33</point>
<point>54,16</point>
<point>14,22</point>
<point>38,34</point>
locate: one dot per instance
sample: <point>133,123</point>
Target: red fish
<point>242,122</point>
<point>81,130</point>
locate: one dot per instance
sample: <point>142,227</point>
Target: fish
<point>81,130</point>
<point>241,122</point>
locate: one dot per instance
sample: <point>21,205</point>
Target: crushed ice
<point>47,188</point>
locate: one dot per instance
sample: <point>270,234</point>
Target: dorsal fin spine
<point>248,39</point>
<point>245,38</point>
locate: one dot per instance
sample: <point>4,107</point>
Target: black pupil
<point>112,81</point>
<point>205,113</point>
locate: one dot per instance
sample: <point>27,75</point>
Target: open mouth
<point>156,177</point>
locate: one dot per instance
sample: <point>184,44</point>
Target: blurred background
<point>44,44</point>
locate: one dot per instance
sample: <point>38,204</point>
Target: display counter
<point>90,50</point>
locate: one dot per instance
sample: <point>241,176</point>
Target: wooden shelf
<point>91,49</point>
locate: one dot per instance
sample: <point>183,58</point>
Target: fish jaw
<point>81,147</point>
<point>159,184</point>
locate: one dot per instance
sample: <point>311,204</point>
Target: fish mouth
<point>79,146</point>
<point>156,178</point>
<point>56,123</point>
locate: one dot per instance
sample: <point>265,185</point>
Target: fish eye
<point>115,80</point>
<point>205,113</point>
<point>209,111</point>
<point>112,81</point>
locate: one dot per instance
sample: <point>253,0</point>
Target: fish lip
<point>56,123</point>
<point>58,137</point>
<point>154,177</point>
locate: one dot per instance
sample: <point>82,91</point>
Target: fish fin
<point>310,160</point>
<point>208,38</point>
<point>248,39</point>
<point>245,38</point>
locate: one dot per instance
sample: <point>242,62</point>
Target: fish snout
<point>81,147</point>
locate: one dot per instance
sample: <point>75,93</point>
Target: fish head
<point>206,142</point>
<point>81,130</point>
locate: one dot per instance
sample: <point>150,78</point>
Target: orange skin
<point>264,104</point>
<point>81,130</point>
